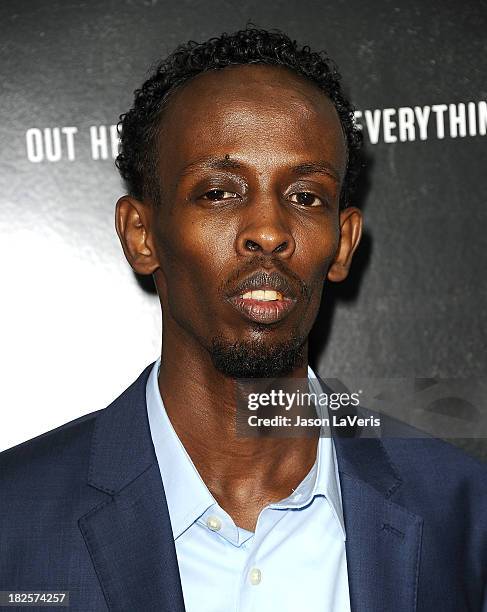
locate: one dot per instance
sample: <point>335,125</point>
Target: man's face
<point>252,159</point>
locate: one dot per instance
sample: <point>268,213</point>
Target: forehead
<point>263,115</point>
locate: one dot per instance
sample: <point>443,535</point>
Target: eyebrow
<point>320,167</point>
<point>226,163</point>
<point>212,163</point>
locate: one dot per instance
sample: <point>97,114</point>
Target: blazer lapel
<point>129,536</point>
<point>383,538</point>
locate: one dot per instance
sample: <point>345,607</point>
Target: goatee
<point>255,359</point>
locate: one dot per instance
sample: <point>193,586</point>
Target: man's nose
<point>266,230</point>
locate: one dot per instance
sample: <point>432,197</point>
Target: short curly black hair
<point>138,128</point>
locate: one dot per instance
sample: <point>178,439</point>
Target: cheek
<point>318,246</point>
<point>191,252</point>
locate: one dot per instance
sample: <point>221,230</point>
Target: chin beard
<point>255,359</point>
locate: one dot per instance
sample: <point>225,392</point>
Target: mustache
<point>251,276</point>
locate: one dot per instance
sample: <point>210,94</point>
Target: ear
<point>133,224</point>
<point>350,233</point>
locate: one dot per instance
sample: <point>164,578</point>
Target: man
<point>239,155</point>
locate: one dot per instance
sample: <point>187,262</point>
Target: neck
<point>243,473</point>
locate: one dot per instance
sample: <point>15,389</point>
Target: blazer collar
<point>121,447</point>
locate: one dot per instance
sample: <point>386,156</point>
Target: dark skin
<point>238,149</point>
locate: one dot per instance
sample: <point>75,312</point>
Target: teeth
<point>265,295</point>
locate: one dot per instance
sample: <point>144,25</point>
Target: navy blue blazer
<point>82,509</point>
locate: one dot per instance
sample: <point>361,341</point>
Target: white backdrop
<point>76,328</point>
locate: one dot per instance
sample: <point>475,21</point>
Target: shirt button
<point>214,523</point>
<point>255,576</point>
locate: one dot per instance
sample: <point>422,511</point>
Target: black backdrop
<point>77,325</point>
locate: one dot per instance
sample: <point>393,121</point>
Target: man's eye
<point>305,198</point>
<point>218,194</point>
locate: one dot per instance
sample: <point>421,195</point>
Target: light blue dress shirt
<point>294,561</point>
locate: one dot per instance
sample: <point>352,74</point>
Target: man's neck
<point>244,474</point>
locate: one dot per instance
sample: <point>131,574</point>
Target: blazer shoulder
<point>63,446</point>
<point>413,448</point>
<point>426,451</point>
<point>442,479</point>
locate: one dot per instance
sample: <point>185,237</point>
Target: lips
<point>263,298</point>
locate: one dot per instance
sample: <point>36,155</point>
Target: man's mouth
<point>263,295</point>
<point>264,298</point>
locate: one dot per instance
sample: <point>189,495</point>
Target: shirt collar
<point>323,478</point>
<point>187,495</point>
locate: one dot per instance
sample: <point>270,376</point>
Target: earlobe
<point>350,234</point>
<point>132,222</point>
